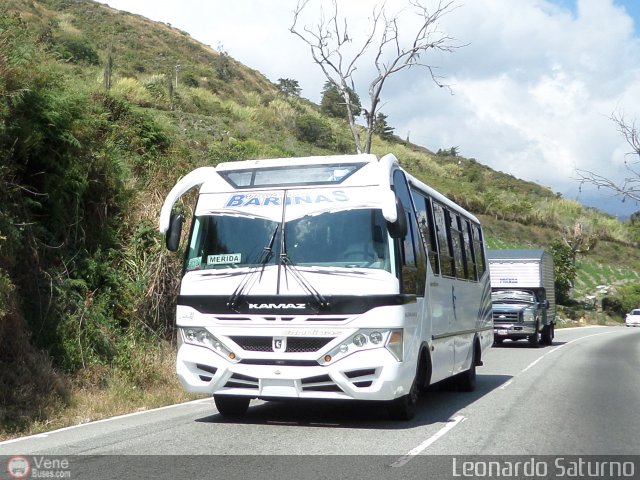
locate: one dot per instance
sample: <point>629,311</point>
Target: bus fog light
<point>375,337</point>
<point>344,348</point>
<point>359,340</point>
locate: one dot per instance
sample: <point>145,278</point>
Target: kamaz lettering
<point>248,200</point>
<point>276,306</point>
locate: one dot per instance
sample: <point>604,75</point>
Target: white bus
<point>337,277</point>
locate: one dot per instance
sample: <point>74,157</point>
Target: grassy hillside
<point>96,124</point>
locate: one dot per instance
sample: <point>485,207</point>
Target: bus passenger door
<point>443,346</point>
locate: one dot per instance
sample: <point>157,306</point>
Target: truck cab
<point>521,314</point>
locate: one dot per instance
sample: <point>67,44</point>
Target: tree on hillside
<point>564,266</point>
<point>630,186</point>
<point>579,238</point>
<point>289,87</point>
<point>381,127</point>
<point>333,104</point>
<point>395,46</point>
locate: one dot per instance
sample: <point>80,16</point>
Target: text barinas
<point>263,200</point>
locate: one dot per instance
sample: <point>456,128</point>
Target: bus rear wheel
<point>231,406</point>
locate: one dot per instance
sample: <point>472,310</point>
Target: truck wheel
<point>231,406</point>
<point>534,340</point>
<point>547,334</point>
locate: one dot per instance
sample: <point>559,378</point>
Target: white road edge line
<point>126,415</point>
<point>532,364</point>
<point>420,448</point>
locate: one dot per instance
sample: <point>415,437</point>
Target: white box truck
<point>523,295</point>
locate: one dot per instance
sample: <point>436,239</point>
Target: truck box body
<point>522,270</point>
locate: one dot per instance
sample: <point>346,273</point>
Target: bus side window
<point>412,251</point>
<point>456,241</point>
<point>444,246</point>
<point>478,248</point>
<point>472,270</point>
<point>424,216</point>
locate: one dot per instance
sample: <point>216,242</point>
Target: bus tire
<point>466,381</point>
<point>230,405</point>
<point>404,408</point>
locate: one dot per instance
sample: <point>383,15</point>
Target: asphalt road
<point>579,396</point>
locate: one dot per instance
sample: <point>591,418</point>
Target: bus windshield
<point>354,238</point>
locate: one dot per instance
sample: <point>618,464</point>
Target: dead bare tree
<point>579,238</point>
<point>629,187</point>
<point>329,41</point>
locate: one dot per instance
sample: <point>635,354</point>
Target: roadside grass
<point>95,394</point>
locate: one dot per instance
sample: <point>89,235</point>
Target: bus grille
<point>294,344</point>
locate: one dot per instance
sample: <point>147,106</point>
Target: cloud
<point>533,89</point>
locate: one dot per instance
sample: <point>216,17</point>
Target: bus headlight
<point>376,338</point>
<point>367,339</point>
<point>359,340</point>
<point>201,337</point>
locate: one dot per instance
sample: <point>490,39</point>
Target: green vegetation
<point>87,154</point>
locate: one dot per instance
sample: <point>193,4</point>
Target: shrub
<point>77,50</point>
<point>313,129</point>
<point>131,90</point>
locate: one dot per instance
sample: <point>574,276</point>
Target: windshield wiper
<point>250,277</point>
<point>285,261</point>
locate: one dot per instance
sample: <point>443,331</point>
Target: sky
<point>532,87</point>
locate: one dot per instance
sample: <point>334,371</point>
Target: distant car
<point>633,318</point>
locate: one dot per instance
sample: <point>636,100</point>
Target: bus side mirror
<point>172,237</point>
<point>398,229</point>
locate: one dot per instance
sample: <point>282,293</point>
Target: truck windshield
<point>513,296</point>
<point>355,238</point>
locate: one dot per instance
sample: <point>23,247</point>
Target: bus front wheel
<point>231,406</point>
<point>404,408</point>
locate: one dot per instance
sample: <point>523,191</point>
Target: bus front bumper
<point>366,375</point>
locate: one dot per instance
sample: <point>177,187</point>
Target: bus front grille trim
<point>293,344</point>
<point>320,383</point>
<point>238,380</point>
